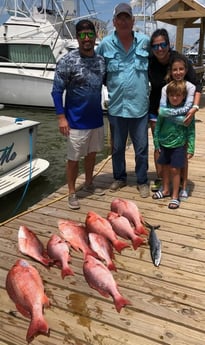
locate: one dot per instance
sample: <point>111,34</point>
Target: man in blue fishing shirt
<point>80,73</point>
<point>126,56</point>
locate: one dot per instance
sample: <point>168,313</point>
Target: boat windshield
<point>26,53</point>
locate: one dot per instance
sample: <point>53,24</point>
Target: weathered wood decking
<point>168,303</point>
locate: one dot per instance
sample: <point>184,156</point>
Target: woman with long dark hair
<point>159,61</point>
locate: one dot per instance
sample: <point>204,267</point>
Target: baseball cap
<point>85,24</point>
<point>122,8</point>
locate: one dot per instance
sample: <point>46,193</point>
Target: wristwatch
<point>195,106</point>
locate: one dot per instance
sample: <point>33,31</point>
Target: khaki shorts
<point>84,141</point>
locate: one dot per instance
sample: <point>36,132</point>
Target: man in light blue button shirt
<point>126,56</point>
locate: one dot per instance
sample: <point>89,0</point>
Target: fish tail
<point>141,230</point>
<point>47,261</point>
<point>137,241</point>
<point>121,302</point>
<point>66,271</point>
<point>119,245</point>
<point>36,327</point>
<point>90,252</point>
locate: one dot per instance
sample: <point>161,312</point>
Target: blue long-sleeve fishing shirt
<point>81,78</point>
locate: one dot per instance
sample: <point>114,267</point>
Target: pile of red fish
<point>95,239</point>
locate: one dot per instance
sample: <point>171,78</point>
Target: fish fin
<point>45,301</point>
<point>46,261</point>
<point>121,302</point>
<point>57,263</point>
<point>67,271</point>
<point>111,266</point>
<point>112,255</point>
<point>93,286</point>
<point>23,311</point>
<point>119,245</point>
<point>137,241</point>
<point>36,327</point>
<point>102,292</point>
<point>91,252</point>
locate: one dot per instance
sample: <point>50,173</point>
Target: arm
<point>190,114</point>
<point>192,77</point>
<point>156,133</point>
<point>191,139</point>
<point>59,85</point>
<point>168,112</point>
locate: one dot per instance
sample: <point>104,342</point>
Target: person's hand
<point>63,125</point>
<point>189,155</point>
<point>189,116</point>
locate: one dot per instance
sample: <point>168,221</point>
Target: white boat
<point>18,162</point>
<point>30,45</point>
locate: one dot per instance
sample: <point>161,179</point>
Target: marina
<point>167,302</point>
<point>30,48</point>
<point>32,40</point>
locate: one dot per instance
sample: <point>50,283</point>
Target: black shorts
<point>175,157</point>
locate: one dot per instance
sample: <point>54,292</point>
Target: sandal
<point>159,195</point>
<point>174,204</point>
<point>183,195</point>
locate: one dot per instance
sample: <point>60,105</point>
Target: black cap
<point>85,24</point>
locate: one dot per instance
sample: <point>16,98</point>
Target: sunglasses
<point>162,45</point>
<point>83,35</point>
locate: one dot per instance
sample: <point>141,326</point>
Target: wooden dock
<point>168,302</point>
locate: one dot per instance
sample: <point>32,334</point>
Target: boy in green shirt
<point>173,141</point>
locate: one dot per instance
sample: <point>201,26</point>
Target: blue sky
<point>104,9</point>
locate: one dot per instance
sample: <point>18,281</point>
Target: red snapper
<point>103,247</point>
<point>123,228</point>
<point>129,209</point>
<point>75,233</point>
<point>58,250</point>
<point>30,245</point>
<point>25,288</point>
<point>101,279</point>
<point>96,223</point>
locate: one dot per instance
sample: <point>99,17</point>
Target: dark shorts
<point>175,157</point>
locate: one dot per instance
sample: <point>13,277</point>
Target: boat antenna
<point>57,37</point>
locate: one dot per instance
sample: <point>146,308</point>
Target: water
<point>51,145</point>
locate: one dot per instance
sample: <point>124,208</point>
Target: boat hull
<point>18,162</point>
<point>21,175</point>
<point>22,87</point>
<point>17,142</point>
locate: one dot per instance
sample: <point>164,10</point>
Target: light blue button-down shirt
<point>127,75</point>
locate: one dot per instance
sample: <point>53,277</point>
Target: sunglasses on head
<point>82,35</point>
<point>160,45</point>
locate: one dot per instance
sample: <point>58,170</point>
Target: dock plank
<point>167,302</point>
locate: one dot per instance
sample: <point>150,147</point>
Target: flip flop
<point>174,204</point>
<point>159,195</point>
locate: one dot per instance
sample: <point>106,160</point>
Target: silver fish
<point>155,245</point>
